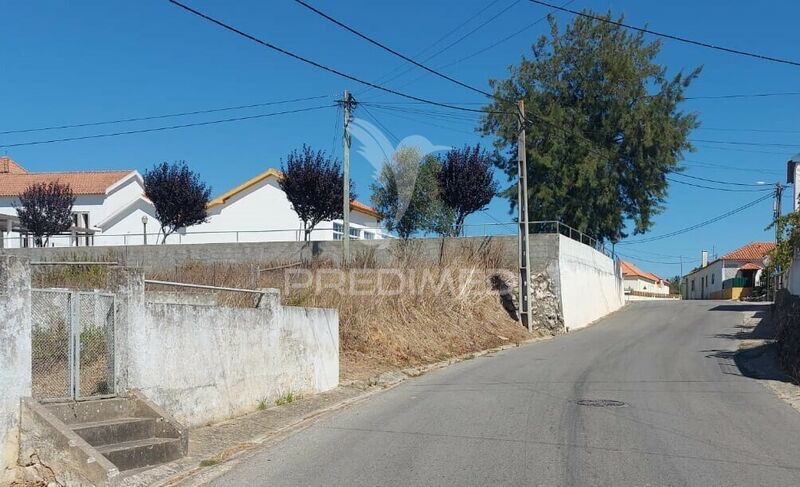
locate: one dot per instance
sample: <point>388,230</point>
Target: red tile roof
<point>14,179</point>
<point>751,251</point>
<point>356,205</point>
<point>750,267</point>
<point>629,269</point>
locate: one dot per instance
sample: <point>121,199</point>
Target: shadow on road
<point>760,359</point>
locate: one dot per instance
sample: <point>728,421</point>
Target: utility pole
<point>347,103</point>
<point>776,210</point>
<point>776,213</point>
<point>524,230</point>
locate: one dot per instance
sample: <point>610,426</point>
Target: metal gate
<point>72,344</point>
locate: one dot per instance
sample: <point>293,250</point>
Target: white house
<point>108,205</point>
<point>638,281</point>
<point>732,276</point>
<point>258,210</point>
<point>111,209</point>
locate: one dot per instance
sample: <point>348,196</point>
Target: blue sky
<point>80,61</point>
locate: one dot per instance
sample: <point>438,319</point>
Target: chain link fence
<point>72,344</point>
<point>51,344</point>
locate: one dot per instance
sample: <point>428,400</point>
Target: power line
<point>670,36</point>
<point>318,65</point>
<point>389,49</point>
<point>447,47</point>
<point>504,39</point>
<point>701,224</point>
<point>732,190</point>
<point>171,127</point>
<point>730,168</point>
<point>716,181</point>
<point>734,142</point>
<point>430,46</point>
<point>766,131</point>
<point>742,95</point>
<point>156,117</point>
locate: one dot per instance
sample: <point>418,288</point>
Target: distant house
<point>111,209</point>
<point>106,203</point>
<point>636,280</point>
<point>258,210</point>
<point>732,276</point>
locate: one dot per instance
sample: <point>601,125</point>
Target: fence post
<point>127,283</point>
<point>15,356</point>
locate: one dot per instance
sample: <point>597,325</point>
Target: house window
<point>338,231</point>
<point>355,233</point>
<point>712,278</point>
<point>369,235</point>
<point>692,284</point>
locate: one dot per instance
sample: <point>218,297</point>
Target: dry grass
<point>444,309</point>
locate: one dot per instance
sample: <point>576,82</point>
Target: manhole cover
<point>601,403</point>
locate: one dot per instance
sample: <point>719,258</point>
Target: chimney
<point>704,258</point>
<point>4,166</point>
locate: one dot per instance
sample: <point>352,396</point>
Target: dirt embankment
<point>406,313</point>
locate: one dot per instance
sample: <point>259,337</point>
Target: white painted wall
<point>261,213</point>
<point>15,357</point>
<point>637,283</point>
<point>205,363</point>
<point>591,283</point>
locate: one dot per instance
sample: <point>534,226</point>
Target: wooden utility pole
<point>776,209</point>
<point>524,230</point>
<point>347,102</point>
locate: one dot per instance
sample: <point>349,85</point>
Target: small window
<point>338,231</point>
<point>712,278</point>
<point>692,284</point>
<point>369,235</point>
<point>355,233</point>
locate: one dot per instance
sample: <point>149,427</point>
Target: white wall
<point>591,283</point>
<point>15,356</point>
<point>203,363</point>
<point>261,213</point>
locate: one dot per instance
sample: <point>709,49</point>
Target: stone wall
<point>786,317</point>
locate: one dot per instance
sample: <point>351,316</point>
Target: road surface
<point>689,417</point>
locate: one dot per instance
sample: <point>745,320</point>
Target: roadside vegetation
<point>402,313</point>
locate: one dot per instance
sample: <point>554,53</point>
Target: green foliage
<point>288,398</point>
<point>782,255</point>
<point>45,209</point>
<point>675,285</point>
<point>406,195</point>
<point>603,127</point>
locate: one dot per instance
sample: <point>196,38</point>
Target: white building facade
<point>111,209</point>
<point>732,276</point>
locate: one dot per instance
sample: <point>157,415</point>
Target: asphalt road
<point>689,416</point>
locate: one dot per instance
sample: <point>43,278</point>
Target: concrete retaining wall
<point>165,257</point>
<point>206,363</point>
<point>590,282</point>
<point>15,357</point>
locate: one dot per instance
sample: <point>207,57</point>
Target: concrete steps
<point>92,442</point>
<point>124,430</point>
<point>145,452</point>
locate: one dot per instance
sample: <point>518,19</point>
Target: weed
<point>287,398</point>
<point>209,462</point>
<point>262,404</point>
